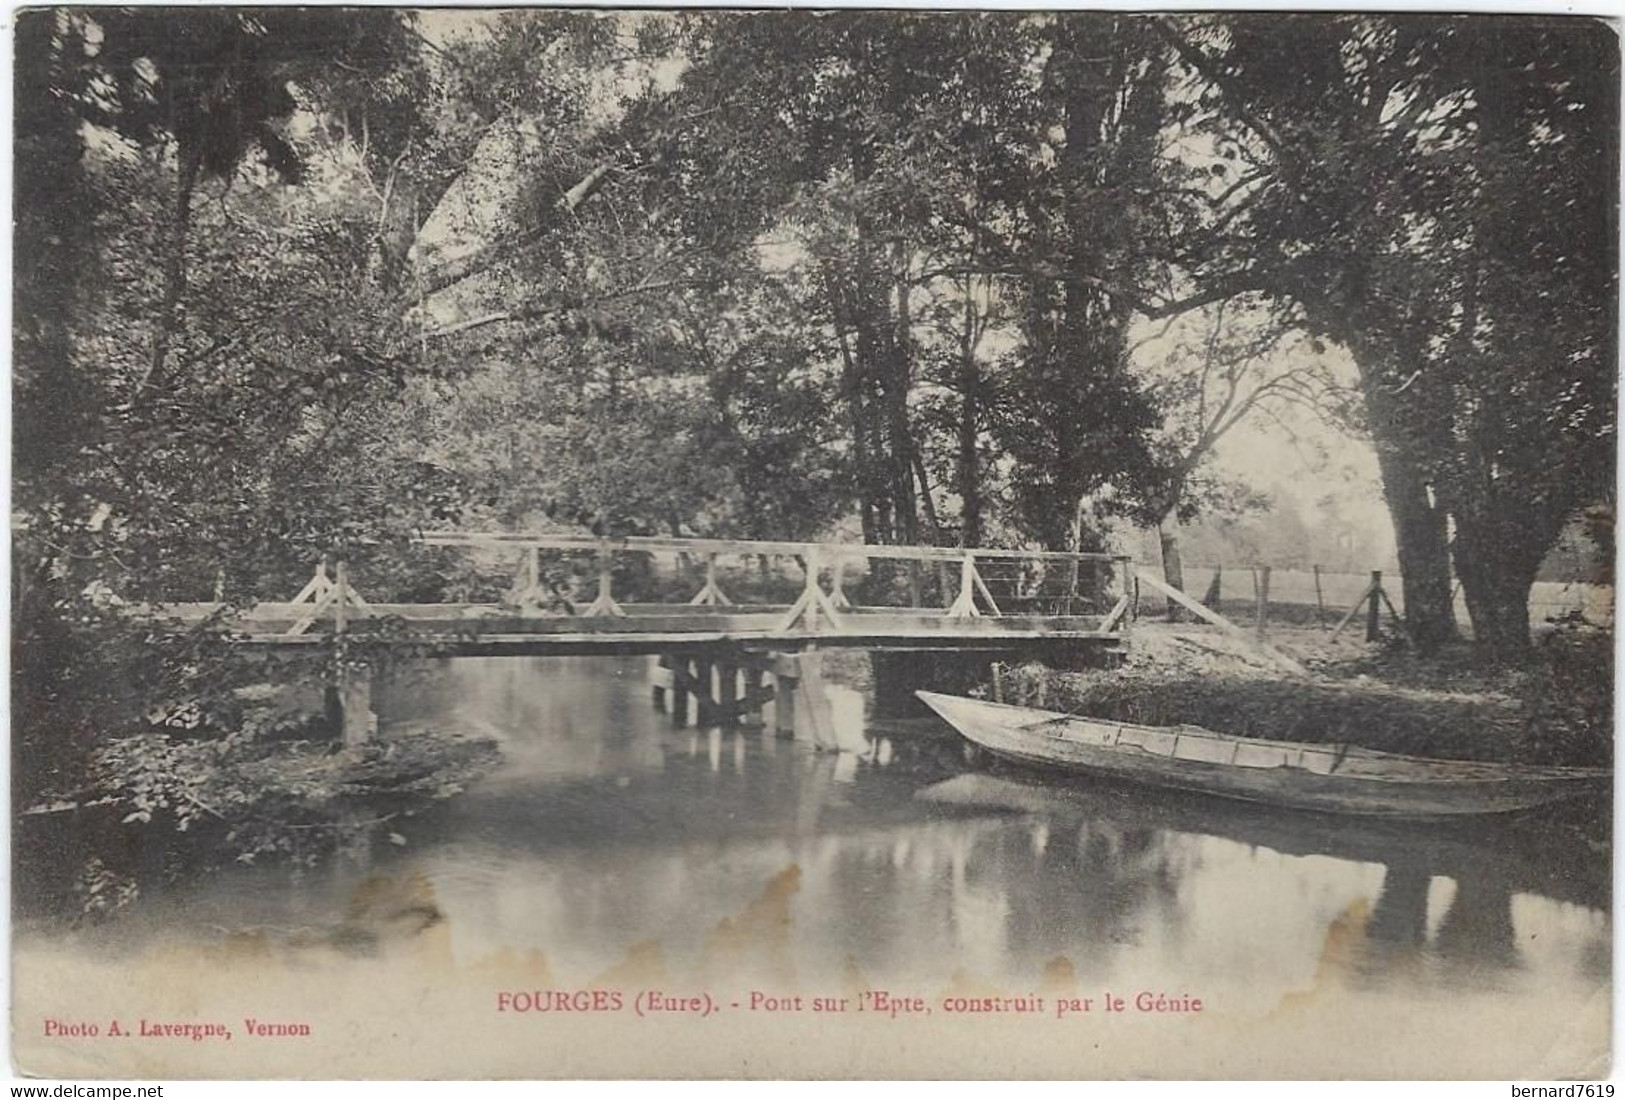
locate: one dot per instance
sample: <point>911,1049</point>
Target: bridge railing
<point>1037,582</point>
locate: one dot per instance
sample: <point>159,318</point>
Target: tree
<point>1208,372</point>
<point>915,163</point>
<point>1372,155</point>
<point>212,86</point>
<point>198,400</point>
<point>1529,367</point>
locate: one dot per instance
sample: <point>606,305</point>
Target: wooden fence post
<point>711,594</point>
<point>1131,589</point>
<point>1373,625</point>
<point>1393,613</point>
<point>1261,590</point>
<point>1320,602</point>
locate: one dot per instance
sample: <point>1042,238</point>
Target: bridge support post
<point>660,681</point>
<point>755,695</point>
<point>350,711</point>
<point>678,664</point>
<point>703,707</point>
<point>802,704</point>
<point>727,693</point>
<point>784,696</point>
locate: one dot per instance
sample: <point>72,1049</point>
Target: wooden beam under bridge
<point>829,551</point>
<point>563,645</point>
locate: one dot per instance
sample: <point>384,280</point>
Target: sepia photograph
<point>562,543</point>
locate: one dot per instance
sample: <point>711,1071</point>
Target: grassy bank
<point>1555,708</point>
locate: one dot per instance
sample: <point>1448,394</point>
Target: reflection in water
<point>1477,929</point>
<point>1396,930</point>
<point>607,839</point>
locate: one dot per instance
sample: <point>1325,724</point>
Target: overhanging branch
<point>455,271</point>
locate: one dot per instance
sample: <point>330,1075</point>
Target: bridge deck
<point>486,629</point>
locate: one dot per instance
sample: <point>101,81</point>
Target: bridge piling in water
<point>660,682</point>
<point>785,681</point>
<point>756,695</point>
<point>731,689</point>
<point>728,687</point>
<point>727,693</point>
<point>350,712</point>
<point>679,692</point>
<point>705,707</point>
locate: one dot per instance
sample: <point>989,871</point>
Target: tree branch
<point>455,271</point>
<point>1204,67</point>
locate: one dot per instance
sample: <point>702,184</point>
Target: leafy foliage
<point>1418,186</point>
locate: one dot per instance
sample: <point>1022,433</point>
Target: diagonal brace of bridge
<point>537,621</point>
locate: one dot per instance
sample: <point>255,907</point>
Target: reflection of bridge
<point>719,651</point>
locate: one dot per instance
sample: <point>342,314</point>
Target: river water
<point>611,847</point>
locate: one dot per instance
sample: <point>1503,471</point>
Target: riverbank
<point>1555,708</point>
<point>166,807</point>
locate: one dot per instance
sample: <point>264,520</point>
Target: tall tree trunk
<point>1420,520</point>
<point>1420,538</point>
<point>967,468</point>
<point>968,473</point>
<point>189,163</point>
<point>897,374</point>
<point>1496,580</point>
<point>1173,568</point>
<point>928,506</point>
<point>854,391</point>
<point>1059,526</point>
<point>879,474</point>
<point>880,358</point>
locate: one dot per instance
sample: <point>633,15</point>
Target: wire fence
<point>1308,597</point>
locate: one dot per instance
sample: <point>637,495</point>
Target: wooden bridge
<point>1052,598</point>
<point>714,650</point>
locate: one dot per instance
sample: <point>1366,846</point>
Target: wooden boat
<point>1336,778</point>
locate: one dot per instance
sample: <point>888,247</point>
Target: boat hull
<point>1315,777</point>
